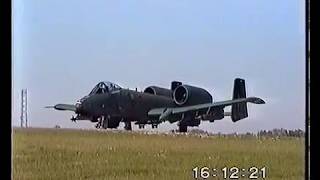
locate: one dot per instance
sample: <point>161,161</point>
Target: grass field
<point>83,154</point>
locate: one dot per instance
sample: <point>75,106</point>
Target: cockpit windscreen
<point>104,87</point>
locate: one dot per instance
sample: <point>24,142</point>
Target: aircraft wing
<point>63,107</point>
<point>165,112</point>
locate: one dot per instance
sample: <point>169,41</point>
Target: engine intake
<point>155,90</point>
<point>185,95</point>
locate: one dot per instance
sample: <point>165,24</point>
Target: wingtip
<point>259,101</point>
<point>256,100</point>
<point>49,107</point>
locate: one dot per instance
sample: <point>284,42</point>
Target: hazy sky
<point>61,49</point>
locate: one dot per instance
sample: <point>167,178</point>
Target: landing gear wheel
<point>141,126</point>
<point>105,122</point>
<point>99,124</point>
<point>127,126</point>
<point>183,128</point>
<point>154,126</point>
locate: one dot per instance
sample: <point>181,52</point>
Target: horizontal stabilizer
<point>238,105</point>
<point>165,112</point>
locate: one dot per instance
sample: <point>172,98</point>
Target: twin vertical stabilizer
<point>239,110</point>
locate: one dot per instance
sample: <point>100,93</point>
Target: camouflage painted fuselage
<point>124,103</point>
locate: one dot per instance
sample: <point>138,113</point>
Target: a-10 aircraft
<point>108,104</point>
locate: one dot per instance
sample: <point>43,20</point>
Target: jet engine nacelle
<point>155,90</point>
<point>185,95</point>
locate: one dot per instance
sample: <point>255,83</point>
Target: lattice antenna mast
<point>24,108</point>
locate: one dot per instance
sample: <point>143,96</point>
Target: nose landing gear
<point>99,124</point>
<point>105,122</point>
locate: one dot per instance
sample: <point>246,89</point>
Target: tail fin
<point>239,110</point>
<point>175,84</point>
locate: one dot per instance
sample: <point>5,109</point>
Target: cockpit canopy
<point>104,87</point>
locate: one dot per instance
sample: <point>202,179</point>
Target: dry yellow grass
<point>79,154</point>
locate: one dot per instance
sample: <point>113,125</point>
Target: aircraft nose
<point>78,107</point>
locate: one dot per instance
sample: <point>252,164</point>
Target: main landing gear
<point>127,126</point>
<point>187,120</point>
<point>183,128</point>
<point>141,126</point>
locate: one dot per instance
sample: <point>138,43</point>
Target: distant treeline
<point>268,133</point>
<point>282,132</point>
